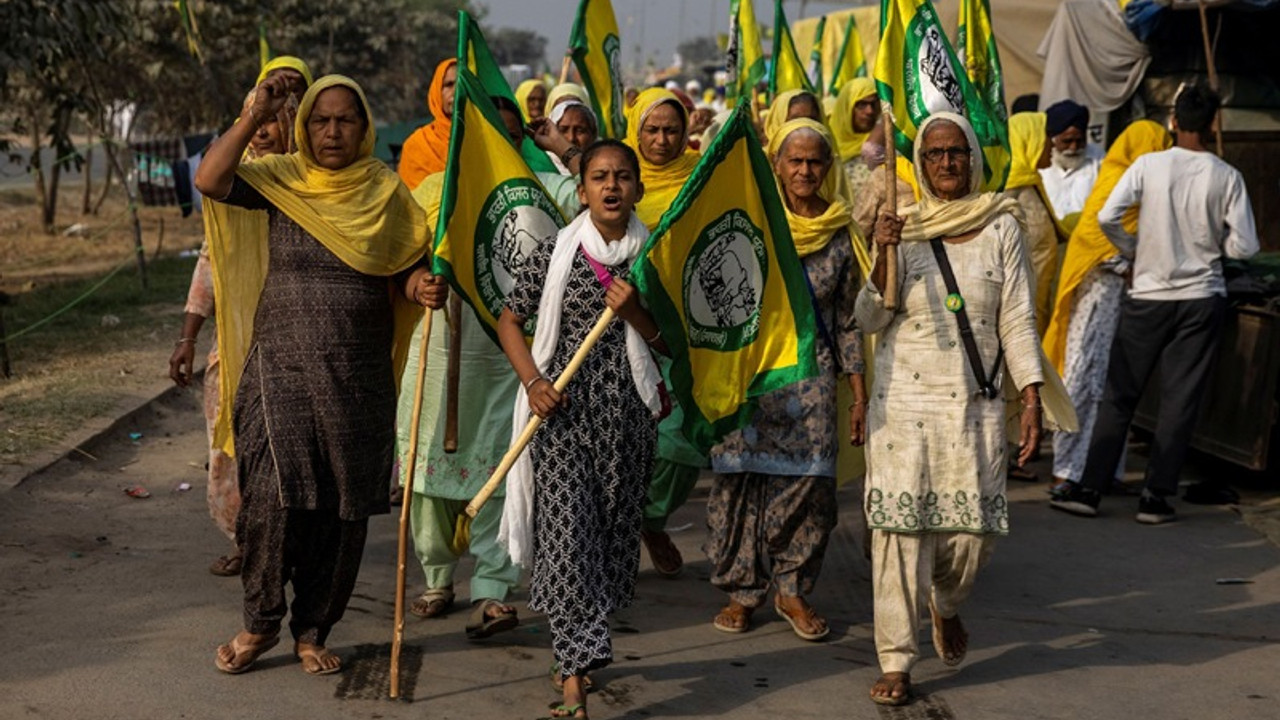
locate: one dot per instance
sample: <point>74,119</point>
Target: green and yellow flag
<point>851,62</point>
<point>597,53</point>
<point>721,277</point>
<point>786,72</point>
<point>744,56</point>
<point>977,52</point>
<point>190,29</point>
<point>493,210</point>
<point>815,55</point>
<point>917,74</point>
<point>474,53</point>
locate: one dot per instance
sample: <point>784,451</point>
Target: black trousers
<point>1182,336</point>
<point>314,549</point>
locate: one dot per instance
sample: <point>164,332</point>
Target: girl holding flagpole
<point>574,501</point>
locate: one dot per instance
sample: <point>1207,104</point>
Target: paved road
<point>108,612</point>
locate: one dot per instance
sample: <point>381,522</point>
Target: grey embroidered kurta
<point>936,450</point>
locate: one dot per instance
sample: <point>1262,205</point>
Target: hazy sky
<point>649,28</point>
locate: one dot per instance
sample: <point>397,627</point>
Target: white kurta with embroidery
<point>936,450</point>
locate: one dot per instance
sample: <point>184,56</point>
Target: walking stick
<point>410,462</point>
<point>462,532</point>
<point>891,199</point>
<point>453,374</point>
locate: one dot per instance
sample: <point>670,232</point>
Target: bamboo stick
<point>1213,71</point>
<point>410,461</point>
<point>891,200</point>
<point>508,460</point>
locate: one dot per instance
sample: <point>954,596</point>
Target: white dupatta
<point>516,530</point>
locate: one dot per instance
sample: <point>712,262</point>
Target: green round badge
<point>954,302</point>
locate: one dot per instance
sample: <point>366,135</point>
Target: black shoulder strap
<point>966,330</point>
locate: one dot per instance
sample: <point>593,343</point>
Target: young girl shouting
<point>574,501</point>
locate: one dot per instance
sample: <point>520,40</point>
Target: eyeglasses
<point>954,154</point>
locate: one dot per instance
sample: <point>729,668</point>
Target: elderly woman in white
<point>936,447</point>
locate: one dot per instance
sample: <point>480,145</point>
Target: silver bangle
<point>656,337</point>
<point>532,381</point>
<point>185,340</point>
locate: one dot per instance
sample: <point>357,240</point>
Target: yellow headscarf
<point>849,141</point>
<point>1089,247</point>
<point>523,91</point>
<point>1027,138</point>
<point>661,182</point>
<point>776,116</point>
<point>362,213</point>
<point>567,90</point>
<point>286,61</point>
<point>934,217</point>
<point>812,234</point>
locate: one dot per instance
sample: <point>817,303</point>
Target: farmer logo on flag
<point>942,91</point>
<point>612,54</point>
<point>724,283</point>
<point>517,216</point>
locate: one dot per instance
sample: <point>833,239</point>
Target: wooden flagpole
<point>891,201</point>
<point>1213,70</point>
<point>410,461</point>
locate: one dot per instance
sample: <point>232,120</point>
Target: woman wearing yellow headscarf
<point>855,115</point>
<point>274,136</point>
<point>658,130</point>
<point>1087,306</point>
<point>308,332</point>
<point>936,449</point>
<point>566,91</point>
<point>775,486</point>
<point>531,96</point>
<point>1029,146</point>
<point>787,106</point>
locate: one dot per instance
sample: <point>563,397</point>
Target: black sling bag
<point>955,303</point>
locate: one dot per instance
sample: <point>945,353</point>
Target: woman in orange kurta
<point>425,151</point>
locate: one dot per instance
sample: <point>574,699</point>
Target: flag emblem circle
<point>516,217</point>
<point>723,281</point>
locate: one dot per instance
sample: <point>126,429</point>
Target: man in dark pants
<point>1194,210</point>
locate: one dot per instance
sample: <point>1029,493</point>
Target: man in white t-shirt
<point>1194,210</point>
<point>1073,162</point>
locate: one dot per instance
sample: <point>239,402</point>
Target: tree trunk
<point>86,206</point>
<point>106,180</point>
<point>37,169</point>
<point>49,204</point>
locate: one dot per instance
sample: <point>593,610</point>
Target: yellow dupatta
<point>1089,247</point>
<point>1027,138</point>
<point>849,141</point>
<point>523,91</point>
<point>289,62</point>
<point>661,182</point>
<point>362,213</point>
<point>567,90</point>
<point>812,234</point>
<point>932,217</point>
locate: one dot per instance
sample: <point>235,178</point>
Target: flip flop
<point>251,651</point>
<point>906,697</point>
<point>481,625</point>
<point>315,655</point>
<point>733,611</point>
<point>938,646</point>
<point>569,711</point>
<point>434,602</point>
<point>795,626</point>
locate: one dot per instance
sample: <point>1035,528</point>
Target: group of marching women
<point>319,262</point>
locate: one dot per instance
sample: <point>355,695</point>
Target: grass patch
<point>89,324</point>
<point>78,367</point>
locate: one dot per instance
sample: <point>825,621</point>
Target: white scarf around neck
<point>516,530</point>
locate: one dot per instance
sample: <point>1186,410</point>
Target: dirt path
<point>109,612</point>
